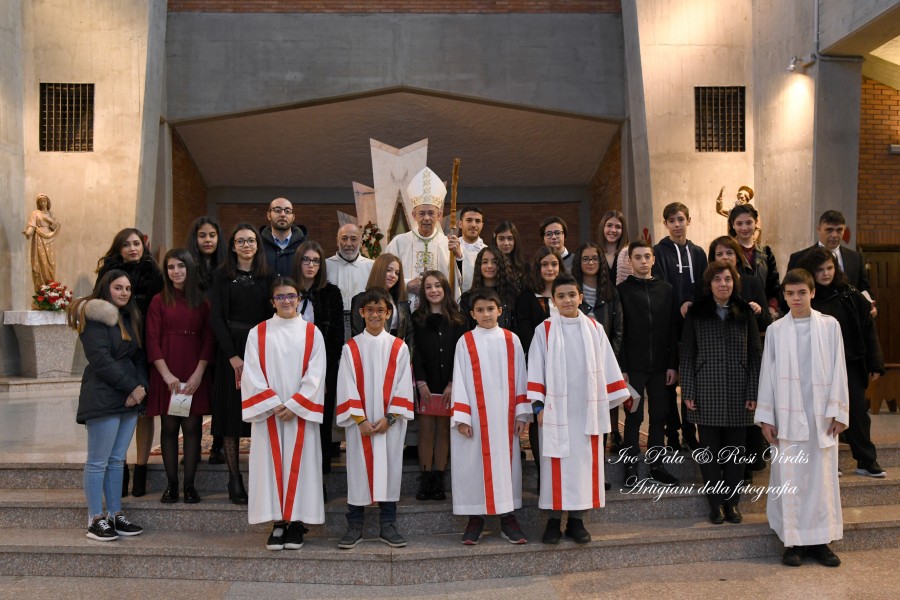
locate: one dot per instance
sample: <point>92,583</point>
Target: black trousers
<point>658,409</point>
<point>858,433</point>
<point>718,470</point>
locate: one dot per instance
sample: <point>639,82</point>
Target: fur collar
<point>705,307</point>
<point>102,311</point>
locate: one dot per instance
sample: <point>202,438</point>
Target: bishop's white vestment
<point>419,254</point>
<point>284,365</point>
<point>489,381</point>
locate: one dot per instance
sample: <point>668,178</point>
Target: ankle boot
<point>425,485</point>
<point>139,486</point>
<point>236,491</point>
<point>437,486</point>
<point>126,479</point>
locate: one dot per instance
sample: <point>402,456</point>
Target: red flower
<point>40,298</point>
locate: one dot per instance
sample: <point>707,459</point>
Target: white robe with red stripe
<point>284,364</point>
<point>375,378</point>
<point>576,480</point>
<point>489,379</point>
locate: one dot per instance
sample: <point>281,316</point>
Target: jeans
<point>108,441</point>
<point>387,510</point>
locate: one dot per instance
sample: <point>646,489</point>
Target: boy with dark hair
<point>466,243</point>
<point>554,233</point>
<point>374,396</point>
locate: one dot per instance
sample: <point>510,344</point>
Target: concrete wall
<point>672,47</point>
<point>224,63</point>
<point>857,27</point>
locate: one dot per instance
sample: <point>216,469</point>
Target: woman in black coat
<point>321,304</point>
<point>113,387</point>
<point>720,360</point>
<point>862,352</point>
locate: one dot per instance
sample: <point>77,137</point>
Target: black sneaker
<point>510,530</point>
<point>823,554</point>
<point>793,556</point>
<point>473,531</point>
<point>631,476</point>
<point>276,540</point>
<point>293,539</point>
<point>351,537</point>
<point>125,527</point>
<point>662,477</point>
<point>391,537</point>
<point>102,531</point>
<point>576,531</point>
<point>872,469</point>
<point>552,533</point>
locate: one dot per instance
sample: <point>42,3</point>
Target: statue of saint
<point>42,230</point>
<point>744,196</point>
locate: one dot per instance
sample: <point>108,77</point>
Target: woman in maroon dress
<point>180,347</point>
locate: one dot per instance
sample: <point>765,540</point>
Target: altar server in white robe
<point>490,411</point>
<point>573,381</point>
<point>283,387</point>
<point>374,403</point>
<point>803,404</point>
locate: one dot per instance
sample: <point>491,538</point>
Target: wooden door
<point>884,276</point>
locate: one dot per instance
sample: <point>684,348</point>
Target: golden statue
<point>744,196</point>
<point>42,230</point>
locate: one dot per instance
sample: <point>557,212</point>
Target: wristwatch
<point>391,419</point>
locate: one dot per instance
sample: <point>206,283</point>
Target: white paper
<point>180,404</point>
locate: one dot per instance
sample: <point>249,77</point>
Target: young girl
<point>203,245</point>
<point>507,240</point>
<point>112,389</point>
<point>180,346</point>
<point>743,225</point>
<point>535,303</point>
<point>129,253</point>
<point>387,273</point>
<point>438,325</point>
<point>492,271</point>
<point>615,246</point>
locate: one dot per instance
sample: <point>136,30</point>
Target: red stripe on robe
<point>257,398</point>
<point>366,441</point>
<point>595,469</point>
<point>490,505</point>
<point>556,479</point>
<point>616,386</point>
<point>297,455</point>
<point>391,372</point>
<point>537,387</point>
<point>511,383</point>
<point>271,426</point>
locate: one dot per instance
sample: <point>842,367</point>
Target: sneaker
<point>391,537</point>
<point>552,533</point>
<point>276,540</point>
<point>631,476</point>
<point>125,527</point>
<point>872,469</point>
<point>510,530</point>
<point>473,531</point>
<point>823,554</point>
<point>793,556</point>
<point>102,531</point>
<point>662,477</point>
<point>293,539</point>
<point>351,537</point>
<point>576,531</point>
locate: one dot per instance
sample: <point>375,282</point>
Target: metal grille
<point>719,119</point>
<point>67,117</point>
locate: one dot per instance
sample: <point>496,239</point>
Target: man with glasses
<point>553,232</point>
<point>281,238</point>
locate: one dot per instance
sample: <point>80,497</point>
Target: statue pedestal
<point>46,343</point>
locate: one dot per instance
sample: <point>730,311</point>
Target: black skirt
<point>226,400</point>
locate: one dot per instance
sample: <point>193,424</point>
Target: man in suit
<point>831,229</point>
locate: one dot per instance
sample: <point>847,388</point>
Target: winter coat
<point>435,347</point>
<point>650,334</point>
<point>279,259</point>
<point>115,366</point>
<point>146,279</point>
<point>609,315</point>
<point>720,363</point>
<point>507,318</point>
<point>851,309</point>
<point>328,316</point>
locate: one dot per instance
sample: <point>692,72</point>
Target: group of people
<point>270,336</point>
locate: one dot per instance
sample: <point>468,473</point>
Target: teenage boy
<point>681,263</point>
<point>490,412</point>
<point>466,246</point>
<point>573,381</point>
<point>648,356</point>
<point>802,406</point>
<point>554,233</point>
<point>374,395</point>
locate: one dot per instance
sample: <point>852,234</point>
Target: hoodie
<point>681,266</point>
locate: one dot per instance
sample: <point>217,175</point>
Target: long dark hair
<point>258,268</point>
<point>623,239</point>
<point>741,209</point>
<point>114,254</point>
<point>518,266</point>
<point>192,294</point>
<point>321,277</point>
<point>206,263</point>
<point>75,312</point>
<point>604,286</point>
<point>536,283</point>
<point>379,274</point>
<point>506,287</point>
<point>814,258</point>
<point>449,308</point>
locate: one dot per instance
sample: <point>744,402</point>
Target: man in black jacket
<point>281,238</point>
<point>648,357</point>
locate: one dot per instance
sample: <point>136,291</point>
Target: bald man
<point>281,238</point>
<point>348,269</point>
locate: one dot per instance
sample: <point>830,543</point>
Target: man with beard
<point>348,269</point>
<point>281,238</point>
<point>467,247</point>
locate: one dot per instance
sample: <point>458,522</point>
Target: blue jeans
<point>108,441</point>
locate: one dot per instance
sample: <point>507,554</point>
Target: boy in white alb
<point>374,402</point>
<point>490,411</point>
<point>573,380</point>
<point>802,405</point>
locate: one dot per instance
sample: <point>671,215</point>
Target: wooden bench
<point>885,389</point>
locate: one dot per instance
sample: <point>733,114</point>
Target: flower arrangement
<point>371,240</point>
<point>52,296</point>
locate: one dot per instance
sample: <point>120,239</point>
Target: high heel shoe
<point>236,491</point>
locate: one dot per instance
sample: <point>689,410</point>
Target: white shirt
<point>350,277</point>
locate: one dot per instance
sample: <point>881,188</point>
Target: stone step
<point>428,559</point>
<point>66,509</point>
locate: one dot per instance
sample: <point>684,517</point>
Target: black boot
<point>437,486</point>
<point>126,479</point>
<point>425,485</point>
<point>236,491</point>
<point>139,487</point>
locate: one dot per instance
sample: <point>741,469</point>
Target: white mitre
<point>426,188</point>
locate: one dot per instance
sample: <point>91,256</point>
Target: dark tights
<point>191,429</point>
<point>232,447</point>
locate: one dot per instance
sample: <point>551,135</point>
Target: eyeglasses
<point>285,297</point>
<point>589,260</point>
<point>311,261</point>
<point>375,311</point>
<point>278,210</point>
<point>553,234</point>
<point>240,242</point>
